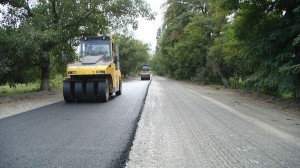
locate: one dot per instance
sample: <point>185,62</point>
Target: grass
<point>57,81</point>
<point>20,88</point>
<point>287,95</point>
<point>6,90</point>
<point>217,87</point>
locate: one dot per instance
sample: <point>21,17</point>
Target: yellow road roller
<point>145,72</point>
<point>96,74</point>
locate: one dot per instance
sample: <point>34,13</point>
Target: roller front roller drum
<point>91,91</point>
<point>68,92</point>
<point>79,92</point>
<point>103,90</point>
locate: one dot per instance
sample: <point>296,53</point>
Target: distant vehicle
<point>145,72</point>
<point>96,75</point>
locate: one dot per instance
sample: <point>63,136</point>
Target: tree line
<point>255,43</point>
<point>35,34</point>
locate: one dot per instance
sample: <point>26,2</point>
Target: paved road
<point>73,135</point>
<point>185,125</point>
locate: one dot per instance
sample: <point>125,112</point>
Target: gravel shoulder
<point>19,103</point>
<point>187,125</point>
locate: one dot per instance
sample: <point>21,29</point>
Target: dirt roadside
<point>291,105</point>
<point>19,103</point>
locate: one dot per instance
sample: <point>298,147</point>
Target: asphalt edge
<point>124,157</point>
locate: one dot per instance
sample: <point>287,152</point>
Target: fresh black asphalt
<point>74,135</point>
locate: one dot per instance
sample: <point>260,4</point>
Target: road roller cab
<point>96,74</point>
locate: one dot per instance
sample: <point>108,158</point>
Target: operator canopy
<point>95,47</point>
<point>146,68</point>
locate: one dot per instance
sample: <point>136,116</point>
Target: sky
<point>147,29</point>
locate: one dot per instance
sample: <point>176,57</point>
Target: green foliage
<point>34,34</point>
<point>268,30</point>
<point>287,95</point>
<point>6,90</point>
<point>56,81</point>
<point>206,76</point>
<point>133,54</point>
<point>190,51</point>
<point>188,33</point>
<point>14,69</point>
<point>259,44</point>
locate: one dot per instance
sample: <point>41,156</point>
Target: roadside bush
<point>56,81</point>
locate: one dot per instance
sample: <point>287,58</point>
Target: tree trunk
<point>224,79</point>
<point>45,75</point>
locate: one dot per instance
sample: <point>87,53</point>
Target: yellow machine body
<point>96,74</point>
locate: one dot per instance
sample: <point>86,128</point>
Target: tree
<point>35,31</point>
<point>268,30</point>
<point>260,44</point>
<point>176,18</point>
<point>190,28</point>
<point>133,54</point>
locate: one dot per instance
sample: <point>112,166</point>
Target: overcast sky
<point>147,29</point>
